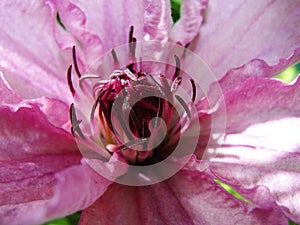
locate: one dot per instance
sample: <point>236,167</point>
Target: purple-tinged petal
<point>7,95</point>
<point>29,56</point>
<point>28,182</point>
<point>56,111</point>
<point>188,26</point>
<point>234,32</point>
<point>48,190</point>
<point>151,20</point>
<point>25,131</point>
<point>258,100</point>
<point>157,20</point>
<point>234,77</point>
<point>84,186</point>
<point>263,120</point>
<point>187,198</point>
<point>250,167</point>
<point>32,151</point>
<point>41,175</point>
<point>75,32</point>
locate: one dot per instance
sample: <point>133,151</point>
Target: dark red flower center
<point>131,107</point>
<point>134,113</point>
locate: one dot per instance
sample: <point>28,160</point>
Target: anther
<point>177,71</point>
<point>176,83</point>
<point>75,62</point>
<point>194,90</point>
<point>132,42</point>
<point>85,77</point>
<point>95,106</point>
<point>133,46</point>
<point>75,122</point>
<point>114,55</point>
<point>131,34</point>
<point>185,49</point>
<point>132,143</point>
<point>158,86</point>
<point>69,78</point>
<point>130,74</point>
<point>184,105</point>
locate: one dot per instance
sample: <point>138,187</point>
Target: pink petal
<point>250,167</point>
<point>56,111</point>
<point>28,182</point>
<point>49,191</point>
<point>84,187</point>
<point>262,136</point>
<point>75,32</point>
<point>258,100</point>
<point>31,152</point>
<point>234,32</point>
<point>7,95</point>
<point>40,168</point>
<point>25,131</point>
<point>187,198</point>
<point>29,56</point>
<point>112,20</point>
<point>157,20</point>
<point>188,26</point>
<point>256,67</point>
<point>266,154</point>
<point>263,120</point>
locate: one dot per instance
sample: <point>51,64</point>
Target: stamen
<point>75,122</point>
<point>114,55</point>
<point>184,105</point>
<point>194,90</point>
<point>75,62</point>
<point>69,78</point>
<point>176,83</point>
<point>132,42</point>
<point>133,143</point>
<point>95,106</point>
<point>177,71</point>
<point>122,122</point>
<point>131,34</point>
<point>130,67</point>
<point>115,74</point>
<point>130,74</point>
<point>89,76</point>
<point>185,49</point>
<point>133,47</point>
<point>159,87</point>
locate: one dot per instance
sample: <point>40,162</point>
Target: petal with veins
<point>187,198</point>
<point>259,100</point>
<point>40,168</point>
<point>7,95</point>
<point>234,32</point>
<point>75,32</point>
<point>188,26</point>
<point>33,64</point>
<point>151,20</point>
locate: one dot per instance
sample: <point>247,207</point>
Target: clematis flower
<point>47,171</point>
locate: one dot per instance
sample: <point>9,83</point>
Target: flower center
<point>135,117</point>
<point>133,114</point>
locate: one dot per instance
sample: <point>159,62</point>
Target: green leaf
<point>63,221</point>
<point>292,223</point>
<point>232,191</point>
<point>290,73</point>
<point>68,220</point>
<point>175,8</point>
